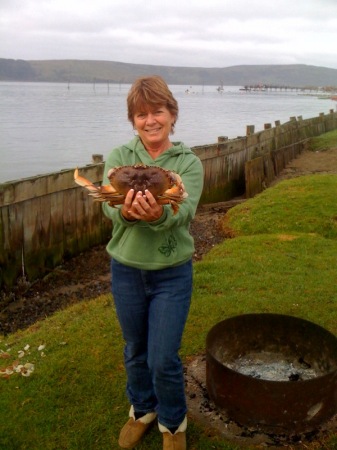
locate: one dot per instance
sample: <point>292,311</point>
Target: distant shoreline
<point>86,71</point>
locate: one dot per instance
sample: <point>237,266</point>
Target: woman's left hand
<point>145,207</point>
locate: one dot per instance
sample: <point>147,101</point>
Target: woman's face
<point>154,126</point>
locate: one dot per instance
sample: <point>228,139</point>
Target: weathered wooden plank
<point>44,260</point>
<point>11,245</point>
<point>278,160</point>
<point>269,172</point>
<point>70,237</point>
<point>254,176</point>
<point>57,228</point>
<point>82,228</point>
<point>32,255</point>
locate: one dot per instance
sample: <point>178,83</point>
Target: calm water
<point>45,127</point>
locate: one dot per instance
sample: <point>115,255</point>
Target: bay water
<point>47,127</point>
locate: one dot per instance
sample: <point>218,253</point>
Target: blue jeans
<point>152,309</point>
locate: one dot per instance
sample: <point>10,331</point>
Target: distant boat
<point>188,91</point>
<point>220,88</point>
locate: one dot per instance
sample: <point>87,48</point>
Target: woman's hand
<point>141,207</point>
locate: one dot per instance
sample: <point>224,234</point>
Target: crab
<point>166,186</point>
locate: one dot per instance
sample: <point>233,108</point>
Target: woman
<point>151,250</point>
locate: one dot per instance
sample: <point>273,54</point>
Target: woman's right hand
<point>141,207</point>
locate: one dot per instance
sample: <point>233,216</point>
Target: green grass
<point>293,275</point>
<point>282,260</point>
<point>302,205</point>
<point>324,142</point>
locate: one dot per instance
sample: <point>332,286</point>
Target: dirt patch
<point>324,161</point>
<point>87,275</point>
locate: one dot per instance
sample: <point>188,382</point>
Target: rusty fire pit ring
<point>274,406</point>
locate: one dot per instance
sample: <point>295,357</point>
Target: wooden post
<point>250,129</point>
<point>96,158</point>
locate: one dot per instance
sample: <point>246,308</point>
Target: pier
<point>275,87</point>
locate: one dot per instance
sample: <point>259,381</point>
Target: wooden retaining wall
<point>225,163</point>
<point>46,219</point>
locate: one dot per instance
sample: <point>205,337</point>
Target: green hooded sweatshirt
<point>166,241</point>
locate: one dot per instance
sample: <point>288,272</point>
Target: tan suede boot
<point>133,431</point>
<point>176,441</point>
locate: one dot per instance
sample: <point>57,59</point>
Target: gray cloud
<point>216,33</point>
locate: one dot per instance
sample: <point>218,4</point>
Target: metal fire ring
<point>294,405</point>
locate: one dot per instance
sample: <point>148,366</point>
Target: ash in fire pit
<point>274,367</point>
<point>273,371</point>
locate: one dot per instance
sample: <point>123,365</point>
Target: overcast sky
<point>194,33</point>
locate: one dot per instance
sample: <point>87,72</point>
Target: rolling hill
<point>81,71</point>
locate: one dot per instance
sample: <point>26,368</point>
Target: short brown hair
<point>149,93</point>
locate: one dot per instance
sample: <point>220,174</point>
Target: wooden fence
<point>225,163</point>
<point>46,219</point>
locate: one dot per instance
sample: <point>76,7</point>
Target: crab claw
<point>104,193</point>
<point>81,181</point>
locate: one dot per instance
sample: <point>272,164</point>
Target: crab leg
<point>105,193</point>
<point>167,201</point>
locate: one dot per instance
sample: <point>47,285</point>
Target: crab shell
<point>166,186</point>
